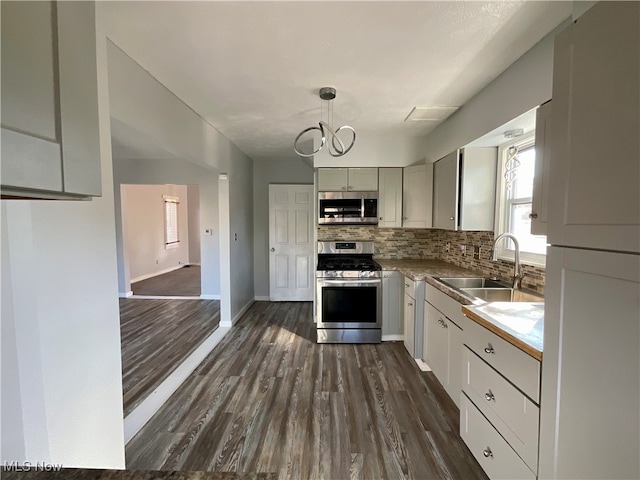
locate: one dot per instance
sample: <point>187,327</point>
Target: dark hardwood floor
<point>156,336</point>
<point>268,399</point>
<point>184,282</point>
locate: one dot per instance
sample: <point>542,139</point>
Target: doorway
<point>160,226</point>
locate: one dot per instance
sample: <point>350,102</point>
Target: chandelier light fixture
<point>512,163</point>
<point>336,147</point>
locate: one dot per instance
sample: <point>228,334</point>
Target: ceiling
<point>253,69</point>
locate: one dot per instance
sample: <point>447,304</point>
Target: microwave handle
<point>362,207</point>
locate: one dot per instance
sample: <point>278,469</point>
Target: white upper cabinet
<point>464,189</point>
<point>541,178</point>
<point>390,197</point>
<point>594,193</point>
<point>50,131</point>
<point>347,179</point>
<point>417,195</point>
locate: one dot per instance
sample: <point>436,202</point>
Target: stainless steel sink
<point>502,295</point>
<point>472,282</point>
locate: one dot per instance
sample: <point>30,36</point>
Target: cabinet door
<point>50,130</point>
<point>477,195</point>
<point>417,196</point>
<point>541,178</point>
<point>454,378</point>
<point>595,140</point>
<point>445,192</point>
<point>392,298</point>
<point>590,406</point>
<point>409,324</point>
<point>435,342</point>
<point>31,155</point>
<point>363,179</point>
<point>332,179</point>
<point>390,198</point>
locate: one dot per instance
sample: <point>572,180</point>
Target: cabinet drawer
<point>410,287</point>
<point>518,367</point>
<point>492,452</point>
<point>451,308</point>
<point>514,415</point>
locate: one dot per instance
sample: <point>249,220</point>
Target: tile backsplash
<point>432,244</point>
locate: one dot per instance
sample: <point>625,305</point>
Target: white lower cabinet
<point>413,316</point>
<point>489,448</point>
<point>500,411</point>
<point>442,340</point>
<point>392,300</point>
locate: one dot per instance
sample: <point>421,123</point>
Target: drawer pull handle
<point>489,396</point>
<point>406,285</point>
<point>487,453</point>
<point>489,349</point>
<point>443,323</point>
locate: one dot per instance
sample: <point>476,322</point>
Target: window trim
<point>168,199</point>
<point>502,206</point>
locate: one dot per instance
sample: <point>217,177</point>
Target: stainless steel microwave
<point>348,208</point>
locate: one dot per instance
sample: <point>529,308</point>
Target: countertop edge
<point>515,341</point>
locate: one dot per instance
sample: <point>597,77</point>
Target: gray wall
<point>193,201</point>
<point>264,173</point>
<point>157,172</point>
<point>140,102</point>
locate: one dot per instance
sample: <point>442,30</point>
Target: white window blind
<point>171,220</point>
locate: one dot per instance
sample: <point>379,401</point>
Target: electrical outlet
<point>447,247</point>
<point>463,249</point>
<point>476,252</point>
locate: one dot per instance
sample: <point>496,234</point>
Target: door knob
<point>380,218</point>
<point>273,249</point>
<point>533,215</point>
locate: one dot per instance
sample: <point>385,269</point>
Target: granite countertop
<point>520,323</point>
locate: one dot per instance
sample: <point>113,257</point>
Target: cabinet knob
<point>489,396</point>
<point>405,218</point>
<point>533,215</point>
<point>487,452</point>
<point>344,188</point>
<point>410,304</point>
<point>451,218</point>
<point>273,249</point>
<point>380,218</point>
<point>406,285</point>
<point>350,187</point>
<point>385,276</point>
<point>489,349</point>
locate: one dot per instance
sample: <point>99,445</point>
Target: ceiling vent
<point>429,114</point>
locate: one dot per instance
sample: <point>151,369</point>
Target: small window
<point>515,201</point>
<point>171,238</point>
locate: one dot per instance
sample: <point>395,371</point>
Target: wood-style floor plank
<point>156,337</point>
<point>183,282</point>
<point>269,400</point>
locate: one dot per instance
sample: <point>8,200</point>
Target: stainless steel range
<point>349,293</point>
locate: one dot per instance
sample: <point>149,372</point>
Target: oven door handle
<point>352,282</point>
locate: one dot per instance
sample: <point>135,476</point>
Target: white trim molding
<point>422,366</point>
<point>239,315</point>
<point>125,295</point>
<point>262,298</point>
<point>155,274</point>
<point>210,297</point>
<point>393,338</point>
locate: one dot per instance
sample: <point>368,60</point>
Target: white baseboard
<point>155,274</point>
<point>209,297</point>
<point>165,297</point>
<point>150,405</point>
<point>260,298</point>
<point>423,366</point>
<point>125,295</point>
<point>242,311</point>
<point>392,338</point>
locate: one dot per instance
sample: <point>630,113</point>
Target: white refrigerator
<point>590,403</point>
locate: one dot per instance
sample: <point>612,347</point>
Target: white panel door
<point>291,253</point>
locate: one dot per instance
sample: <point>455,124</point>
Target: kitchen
<point>549,418</point>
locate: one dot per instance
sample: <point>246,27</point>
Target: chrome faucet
<point>517,267</point>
